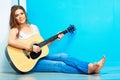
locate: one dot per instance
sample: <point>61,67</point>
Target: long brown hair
<point>13,22</point>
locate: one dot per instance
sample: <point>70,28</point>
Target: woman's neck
<point>23,25</point>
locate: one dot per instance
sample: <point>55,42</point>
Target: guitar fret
<point>47,41</point>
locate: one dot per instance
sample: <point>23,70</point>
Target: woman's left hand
<point>60,35</point>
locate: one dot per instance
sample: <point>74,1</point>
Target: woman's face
<point>20,16</point>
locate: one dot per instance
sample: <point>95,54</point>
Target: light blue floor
<point>107,73</point>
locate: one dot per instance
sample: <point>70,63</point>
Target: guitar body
<point>18,59</point>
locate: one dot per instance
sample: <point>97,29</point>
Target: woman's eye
<point>16,15</point>
<point>22,13</point>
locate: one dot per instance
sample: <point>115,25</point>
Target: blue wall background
<point>97,23</point>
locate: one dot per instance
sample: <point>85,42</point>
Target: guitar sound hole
<point>35,55</point>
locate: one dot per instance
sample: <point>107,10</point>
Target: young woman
<point>21,29</point>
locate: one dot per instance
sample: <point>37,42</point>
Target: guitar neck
<point>45,42</point>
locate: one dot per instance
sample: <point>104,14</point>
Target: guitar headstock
<point>71,28</point>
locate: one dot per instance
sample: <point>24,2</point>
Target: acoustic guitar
<point>23,61</point>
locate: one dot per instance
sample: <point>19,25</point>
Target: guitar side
<point>19,61</point>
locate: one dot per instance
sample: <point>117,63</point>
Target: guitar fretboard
<point>45,42</point>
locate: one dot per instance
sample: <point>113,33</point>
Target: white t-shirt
<point>22,35</point>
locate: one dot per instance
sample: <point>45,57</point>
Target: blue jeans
<point>61,63</point>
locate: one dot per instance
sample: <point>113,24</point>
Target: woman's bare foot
<point>92,67</point>
<point>101,64</point>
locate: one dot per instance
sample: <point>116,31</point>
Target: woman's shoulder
<point>33,25</point>
<point>14,30</point>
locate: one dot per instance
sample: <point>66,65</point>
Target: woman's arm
<point>13,40</point>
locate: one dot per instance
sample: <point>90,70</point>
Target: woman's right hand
<point>36,48</point>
